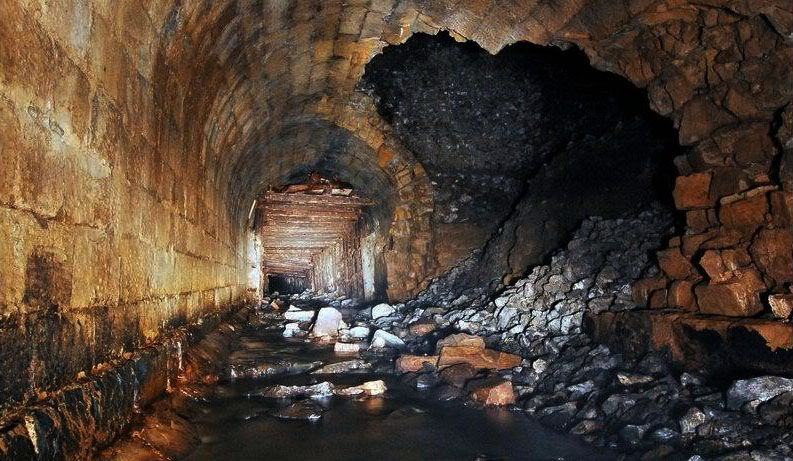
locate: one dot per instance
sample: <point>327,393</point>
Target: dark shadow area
<point>520,146</point>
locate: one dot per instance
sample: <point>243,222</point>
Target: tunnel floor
<point>238,418</point>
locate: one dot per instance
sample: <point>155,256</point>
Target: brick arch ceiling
<point>230,73</point>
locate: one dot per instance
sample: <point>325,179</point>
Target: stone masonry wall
<point>109,237</point>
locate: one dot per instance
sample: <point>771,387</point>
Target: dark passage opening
<point>286,284</point>
<point>520,146</point>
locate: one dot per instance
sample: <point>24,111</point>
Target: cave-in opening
<point>521,145</point>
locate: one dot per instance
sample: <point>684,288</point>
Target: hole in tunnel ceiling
<point>487,127</point>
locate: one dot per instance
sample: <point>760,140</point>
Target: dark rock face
<point>532,139</point>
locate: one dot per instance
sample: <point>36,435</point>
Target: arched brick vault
<point>137,132</point>
<point>255,65</point>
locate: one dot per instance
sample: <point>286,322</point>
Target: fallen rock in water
<point>303,409</point>
<point>382,310</point>
<point>408,363</point>
<point>292,330</point>
<point>478,358</point>
<point>343,367</point>
<point>327,323</point>
<point>369,388</point>
<point>492,391</point>
<point>457,375</point>
<point>348,348</point>
<point>315,391</point>
<point>461,339</point>
<point>277,367</point>
<point>299,315</point>
<point>383,339</point>
<point>756,390</point>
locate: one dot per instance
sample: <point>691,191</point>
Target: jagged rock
<point>629,379</point>
<point>756,390</point>
<point>303,409</point>
<point>299,315</point>
<point>412,363</point>
<point>382,310</point>
<point>461,339</point>
<point>349,348</point>
<point>492,391</point>
<point>457,375</point>
<point>320,390</point>
<point>778,410</point>
<point>781,305</point>
<point>586,426</point>
<point>383,339</point>
<point>343,367</point>
<point>360,332</point>
<point>327,323</point>
<point>423,327</point>
<point>276,367</point>
<point>292,330</point>
<point>478,358</point>
<point>369,388</point>
<point>693,418</point>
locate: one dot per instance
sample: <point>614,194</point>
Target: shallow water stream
<point>403,424</point>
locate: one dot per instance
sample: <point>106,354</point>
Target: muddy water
<point>404,424</point>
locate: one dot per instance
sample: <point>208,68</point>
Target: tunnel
<point>410,229</point>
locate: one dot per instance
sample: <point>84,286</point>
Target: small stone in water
<point>368,388</point>
<point>348,348</point>
<point>304,409</point>
<point>320,390</point>
<point>327,323</point>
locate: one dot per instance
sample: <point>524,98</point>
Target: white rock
<point>348,348</point>
<point>382,310</point>
<point>327,323</point>
<point>382,339</point>
<point>359,332</point>
<point>298,315</point>
<point>291,329</point>
<point>502,301</point>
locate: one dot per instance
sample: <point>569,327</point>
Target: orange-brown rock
<point>457,375</point>
<point>692,191</point>
<point>412,363</point>
<point>739,297</point>
<point>681,295</point>
<point>462,339</point>
<point>478,357</point>
<point>492,391</point>
<point>771,251</point>
<point>712,239</point>
<point>745,215</point>
<point>781,207</point>
<point>644,288</point>
<point>777,335</point>
<point>674,264</point>
<point>423,327</point>
<point>781,305</point>
<point>658,299</point>
<point>720,265</point>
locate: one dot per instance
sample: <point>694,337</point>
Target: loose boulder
<point>756,390</point>
<point>327,323</point>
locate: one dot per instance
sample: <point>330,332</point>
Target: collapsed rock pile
<point>569,382</point>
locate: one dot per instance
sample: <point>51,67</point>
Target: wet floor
<point>403,424</point>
